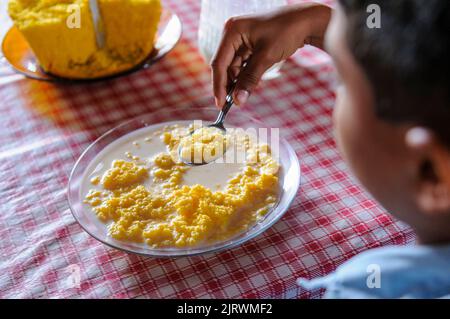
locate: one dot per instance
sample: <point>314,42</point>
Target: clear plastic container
<point>214,14</point>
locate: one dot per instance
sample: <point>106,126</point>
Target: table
<point>44,253</point>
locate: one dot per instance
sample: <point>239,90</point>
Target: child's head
<point>393,109</point>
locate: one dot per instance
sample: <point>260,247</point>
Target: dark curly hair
<point>407,60</point>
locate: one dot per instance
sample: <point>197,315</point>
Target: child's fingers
<point>250,76</point>
<point>235,67</point>
<point>220,63</point>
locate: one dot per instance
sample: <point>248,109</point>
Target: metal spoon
<point>229,101</point>
<point>98,23</point>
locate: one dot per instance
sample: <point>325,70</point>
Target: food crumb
<point>95,180</point>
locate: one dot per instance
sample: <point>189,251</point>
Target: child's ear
<point>433,171</point>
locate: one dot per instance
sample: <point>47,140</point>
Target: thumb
<point>250,76</point>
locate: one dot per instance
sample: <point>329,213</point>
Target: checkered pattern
<point>46,126</point>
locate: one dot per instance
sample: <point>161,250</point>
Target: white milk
<point>212,175</point>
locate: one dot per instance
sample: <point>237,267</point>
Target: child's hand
<point>264,40</point>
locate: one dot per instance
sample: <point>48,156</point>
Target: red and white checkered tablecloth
<point>46,126</point>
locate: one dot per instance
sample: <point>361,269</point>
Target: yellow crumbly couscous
<point>203,145</point>
<point>62,35</point>
<point>166,213</point>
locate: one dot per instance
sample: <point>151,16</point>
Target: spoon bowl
<point>192,160</point>
<point>218,124</point>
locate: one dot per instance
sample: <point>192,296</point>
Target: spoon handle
<point>229,101</point>
<point>98,23</point>
<point>228,104</point>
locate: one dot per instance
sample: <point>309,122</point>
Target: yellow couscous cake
<point>62,36</point>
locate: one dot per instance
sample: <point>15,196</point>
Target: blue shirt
<point>389,272</point>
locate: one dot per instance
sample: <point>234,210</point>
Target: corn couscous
<point>62,35</point>
<point>148,201</point>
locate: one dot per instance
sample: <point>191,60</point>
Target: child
<point>392,122</point>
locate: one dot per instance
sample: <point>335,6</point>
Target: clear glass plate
<point>289,181</point>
